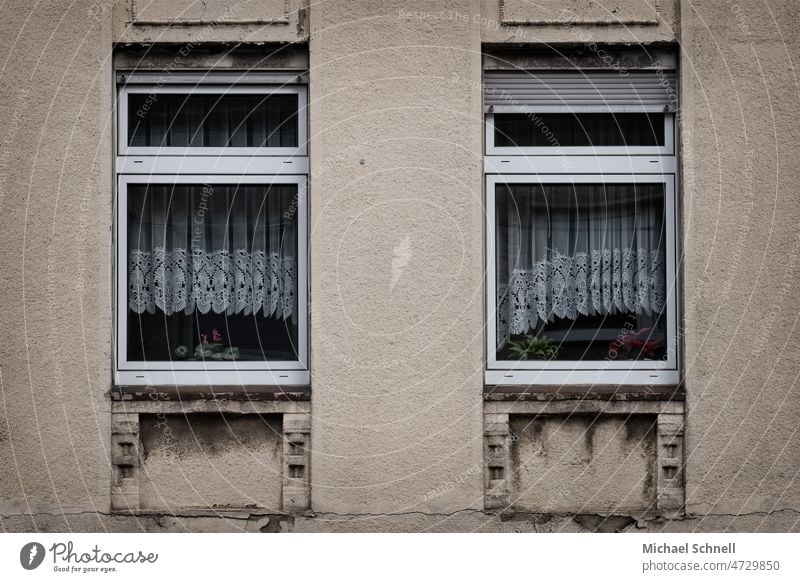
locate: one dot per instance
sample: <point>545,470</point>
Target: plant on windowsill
<point>533,347</point>
<point>206,350</point>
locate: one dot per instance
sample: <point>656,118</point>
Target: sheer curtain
<point>226,249</point>
<point>564,251</point>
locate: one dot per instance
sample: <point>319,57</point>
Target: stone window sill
<point>218,393</point>
<point>545,393</point>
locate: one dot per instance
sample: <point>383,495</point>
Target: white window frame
<point>264,90</point>
<point>600,165</point>
<point>197,165</point>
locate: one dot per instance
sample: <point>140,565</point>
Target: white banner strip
<point>375,557</point>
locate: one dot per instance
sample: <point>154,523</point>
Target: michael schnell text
<point>729,548</point>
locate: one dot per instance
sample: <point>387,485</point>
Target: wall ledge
<point>548,393</point>
<point>155,393</point>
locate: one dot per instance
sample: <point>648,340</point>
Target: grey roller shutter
<point>571,91</point>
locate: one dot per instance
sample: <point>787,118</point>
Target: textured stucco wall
<point>149,21</point>
<point>604,21</point>
<point>742,251</point>
<point>396,259</point>
<point>55,252</point>
<point>396,265</point>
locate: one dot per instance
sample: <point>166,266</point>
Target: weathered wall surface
<point>742,251</point>
<point>396,268</point>
<point>584,463</point>
<point>579,21</point>
<point>149,21</point>
<point>396,259</point>
<point>210,460</point>
<point>55,252</point>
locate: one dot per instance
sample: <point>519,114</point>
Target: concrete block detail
<point>125,461</point>
<point>296,462</point>
<point>670,460</point>
<point>497,461</point>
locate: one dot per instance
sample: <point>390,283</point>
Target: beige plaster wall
<point>396,259</point>
<point>579,21</point>
<point>742,250</point>
<point>55,252</point>
<point>181,21</point>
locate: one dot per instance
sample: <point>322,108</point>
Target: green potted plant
<point>533,347</point>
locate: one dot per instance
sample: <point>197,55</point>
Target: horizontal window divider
<point>212,377</point>
<point>266,165</point>
<point>589,164</point>
<point>221,153</point>
<point>567,366</point>
<point>213,366</point>
<point>593,377</point>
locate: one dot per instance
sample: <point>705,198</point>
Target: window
<point>211,230</point>
<point>581,222</point>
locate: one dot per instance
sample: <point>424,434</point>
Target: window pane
<point>212,272</point>
<point>200,120</point>
<point>578,129</point>
<point>581,272</point>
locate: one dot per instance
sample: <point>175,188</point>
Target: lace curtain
<point>226,249</point>
<point>564,251</point>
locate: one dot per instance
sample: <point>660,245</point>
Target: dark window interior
<point>578,129</point>
<point>223,120</point>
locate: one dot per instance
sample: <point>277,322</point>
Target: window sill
<point>548,393</point>
<point>156,393</point>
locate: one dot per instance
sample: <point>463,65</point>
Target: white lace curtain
<point>564,251</point>
<point>226,249</point>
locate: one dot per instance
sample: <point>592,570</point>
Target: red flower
<point>636,341</point>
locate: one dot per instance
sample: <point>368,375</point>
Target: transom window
<point>211,231</point>
<point>581,220</point>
